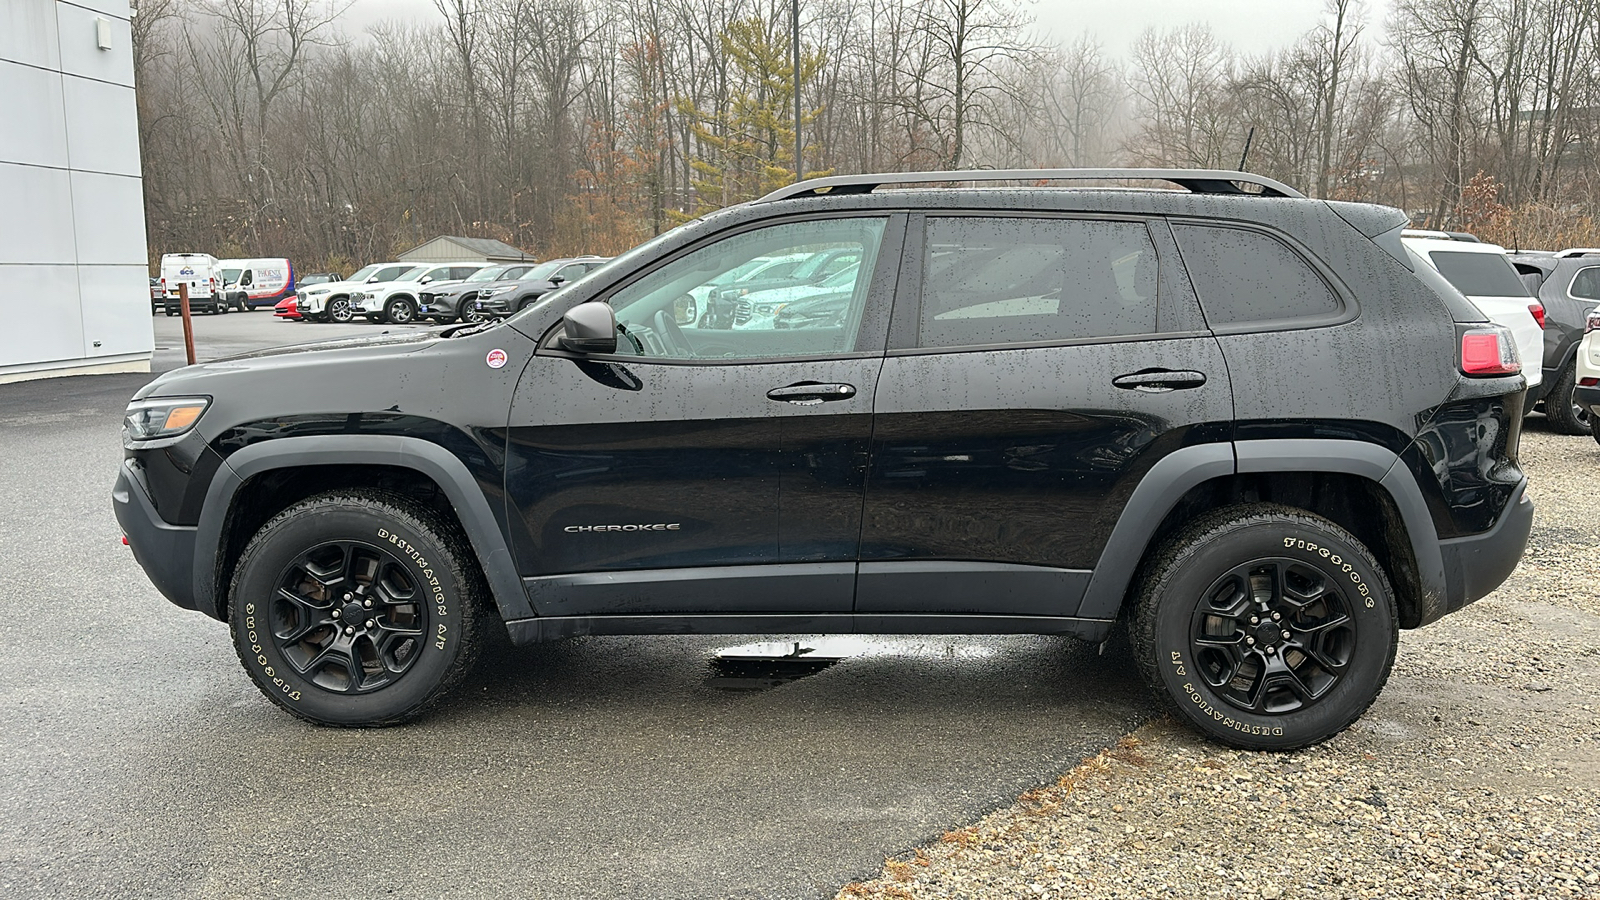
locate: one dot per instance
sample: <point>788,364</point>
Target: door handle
<point>1159,381</point>
<point>810,394</point>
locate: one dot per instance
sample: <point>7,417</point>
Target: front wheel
<point>339,310</point>
<point>1265,627</point>
<point>400,311</point>
<point>355,609</point>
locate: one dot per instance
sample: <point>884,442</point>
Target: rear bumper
<point>166,552</point>
<point>1588,397</point>
<point>1475,565</point>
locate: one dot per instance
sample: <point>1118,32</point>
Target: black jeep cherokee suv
<point>1240,418</point>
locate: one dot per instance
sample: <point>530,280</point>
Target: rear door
<point>1042,365</point>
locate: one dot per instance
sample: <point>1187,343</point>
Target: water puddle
<point>765,665</point>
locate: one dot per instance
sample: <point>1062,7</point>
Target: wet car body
<point>669,487</point>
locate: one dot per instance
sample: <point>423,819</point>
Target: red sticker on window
<point>496,358</point>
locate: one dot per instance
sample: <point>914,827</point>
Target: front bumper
<point>494,306</point>
<point>166,552</point>
<point>1475,565</point>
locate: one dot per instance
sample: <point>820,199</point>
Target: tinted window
<point>1026,280</point>
<point>691,309</point>
<point>1479,274</point>
<point>1586,285</point>
<point>1247,276</point>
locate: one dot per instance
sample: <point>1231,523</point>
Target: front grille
<point>741,313</point>
<point>427,299</point>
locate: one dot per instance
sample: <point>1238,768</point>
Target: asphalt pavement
<point>138,760</point>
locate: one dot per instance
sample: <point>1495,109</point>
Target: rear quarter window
<point>1244,276</point>
<point>1478,274</point>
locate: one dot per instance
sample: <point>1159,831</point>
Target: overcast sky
<point>1249,25</point>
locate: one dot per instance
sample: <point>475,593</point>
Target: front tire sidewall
<point>400,311</point>
<point>431,566</point>
<point>1167,654</point>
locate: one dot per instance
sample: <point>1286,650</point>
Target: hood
<point>326,357</point>
<point>333,286</point>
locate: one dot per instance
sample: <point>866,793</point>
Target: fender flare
<point>443,467</point>
<point>1178,472</point>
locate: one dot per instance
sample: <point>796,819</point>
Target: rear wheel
<point>355,609</point>
<point>1265,627</point>
<point>1561,405</point>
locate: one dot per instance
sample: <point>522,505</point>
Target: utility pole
<point>799,168</point>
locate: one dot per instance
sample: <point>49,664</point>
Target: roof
<point>489,248</point>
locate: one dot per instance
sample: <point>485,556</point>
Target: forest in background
<point>586,126</point>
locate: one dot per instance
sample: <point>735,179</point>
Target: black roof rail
<point>1199,181</point>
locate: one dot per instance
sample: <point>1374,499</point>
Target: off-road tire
<point>1560,407</point>
<point>414,548</point>
<point>1203,561</point>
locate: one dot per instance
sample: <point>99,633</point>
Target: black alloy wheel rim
<point>1273,636</point>
<point>339,310</point>
<point>348,617</point>
<point>400,312</point>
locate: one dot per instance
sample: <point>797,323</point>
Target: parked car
<point>760,309</point>
<point>203,276</point>
<point>535,283</point>
<point>1484,274</point>
<point>1267,452</point>
<point>158,295</point>
<point>729,306</point>
<point>1587,390</point>
<point>330,301</point>
<point>448,301</point>
<point>251,283</point>
<point>1567,284</point>
<point>316,278</point>
<point>396,301</point>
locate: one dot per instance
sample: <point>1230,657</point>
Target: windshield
<point>1479,274</point>
<point>364,273</point>
<point>229,276</point>
<point>489,274</point>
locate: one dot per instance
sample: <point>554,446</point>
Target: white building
<point>73,263</point>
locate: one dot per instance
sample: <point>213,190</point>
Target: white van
<point>1484,274</point>
<point>250,283</point>
<point>203,276</point>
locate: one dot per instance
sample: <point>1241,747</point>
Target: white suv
<point>396,301</point>
<point>1586,381</point>
<point>1482,272</point>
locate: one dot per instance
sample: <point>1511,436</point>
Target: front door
<point>701,470</point>
<point>1039,377</point>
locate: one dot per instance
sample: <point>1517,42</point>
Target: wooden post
<point>188,323</point>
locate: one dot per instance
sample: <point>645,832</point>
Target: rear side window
<point>1246,276</point>
<point>992,280</point>
<point>1479,274</point>
<point>1586,284</point>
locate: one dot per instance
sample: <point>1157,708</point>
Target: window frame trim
<point>1574,280</point>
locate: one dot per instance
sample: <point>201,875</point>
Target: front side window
<point>492,273</point>
<point>1246,276</point>
<point>695,307</point>
<point>394,273</point>
<point>993,280</point>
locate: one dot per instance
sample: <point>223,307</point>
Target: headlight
<point>495,293</point>
<point>164,417</point>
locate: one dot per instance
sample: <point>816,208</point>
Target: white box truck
<point>203,276</point>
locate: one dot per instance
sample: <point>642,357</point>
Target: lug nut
<point>1255,620</point>
<point>348,596</point>
<point>1270,651</point>
<point>1286,635</point>
<point>349,629</point>
<point>367,603</point>
<point>336,614</point>
<point>371,623</point>
<point>1250,640</point>
<point>1277,616</point>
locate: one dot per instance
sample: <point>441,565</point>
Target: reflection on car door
<point>1050,363</point>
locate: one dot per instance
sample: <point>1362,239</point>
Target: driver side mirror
<point>557,279</point>
<point>590,328</point>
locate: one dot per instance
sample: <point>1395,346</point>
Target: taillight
<point>1489,350</point>
<point>1538,312</point>
<point>1592,320</point>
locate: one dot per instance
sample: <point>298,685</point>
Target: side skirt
<point>551,628</point>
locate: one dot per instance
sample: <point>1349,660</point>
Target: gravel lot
<point>1477,772</point>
